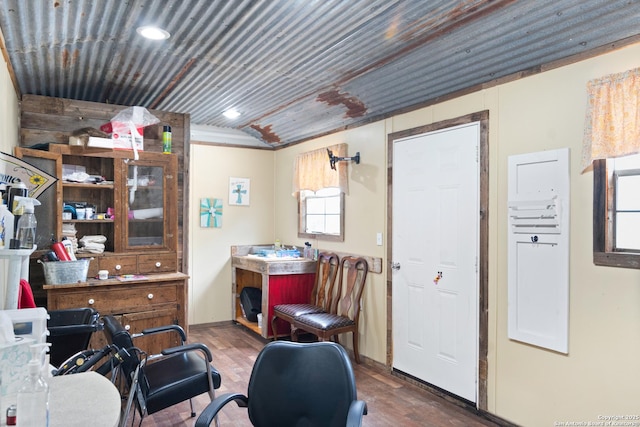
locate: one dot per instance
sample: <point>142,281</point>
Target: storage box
<point>29,323</point>
<point>122,140</point>
<point>100,142</point>
<point>63,272</point>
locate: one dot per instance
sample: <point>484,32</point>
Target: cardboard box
<point>122,140</point>
<point>100,142</point>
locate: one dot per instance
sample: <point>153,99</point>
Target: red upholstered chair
<point>353,276</point>
<point>321,294</point>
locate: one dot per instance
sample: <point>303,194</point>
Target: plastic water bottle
<point>33,398</point>
<point>26,229</point>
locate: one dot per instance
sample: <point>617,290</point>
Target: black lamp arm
<point>334,159</point>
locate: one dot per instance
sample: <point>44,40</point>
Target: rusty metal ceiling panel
<point>295,69</point>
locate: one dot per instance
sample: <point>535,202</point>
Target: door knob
<point>395,266</point>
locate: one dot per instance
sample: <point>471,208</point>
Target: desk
<point>282,281</point>
<point>85,399</point>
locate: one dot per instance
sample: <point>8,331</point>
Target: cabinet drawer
<point>115,300</point>
<point>158,263</point>
<point>117,266</point>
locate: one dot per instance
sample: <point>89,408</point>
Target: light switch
<point>379,239</point>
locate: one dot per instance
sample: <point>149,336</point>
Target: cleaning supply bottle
<point>68,246</point>
<point>6,226</point>
<point>16,189</point>
<point>60,250</point>
<point>166,139</point>
<point>33,396</point>
<point>307,251</point>
<point>26,227</point>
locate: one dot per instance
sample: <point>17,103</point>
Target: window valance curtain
<point>612,125</point>
<point>313,172</point>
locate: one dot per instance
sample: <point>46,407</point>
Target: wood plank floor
<point>390,401</point>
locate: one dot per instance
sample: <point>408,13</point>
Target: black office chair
<point>297,384</point>
<point>70,331</point>
<point>178,374</point>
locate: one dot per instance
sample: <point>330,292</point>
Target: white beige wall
<point>365,213</point>
<point>527,385</point>
<point>9,112</point>
<point>209,254</point>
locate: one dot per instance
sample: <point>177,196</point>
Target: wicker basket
<point>62,272</point>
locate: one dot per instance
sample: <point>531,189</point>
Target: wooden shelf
<point>87,185</point>
<point>251,325</point>
<point>89,221</point>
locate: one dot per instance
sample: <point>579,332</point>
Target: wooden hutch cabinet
<point>143,249</point>
<point>141,238</point>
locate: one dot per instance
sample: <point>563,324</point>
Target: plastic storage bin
<point>61,272</point>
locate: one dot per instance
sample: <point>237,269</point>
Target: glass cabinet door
<point>144,202</point>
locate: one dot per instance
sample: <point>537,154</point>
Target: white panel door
<point>435,245</point>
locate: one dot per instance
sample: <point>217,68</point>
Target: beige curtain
<point>312,170</point>
<point>612,125</point>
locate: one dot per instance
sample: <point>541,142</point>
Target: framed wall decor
<point>239,191</point>
<point>210,213</point>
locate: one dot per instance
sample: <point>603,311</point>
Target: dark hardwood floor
<point>390,400</point>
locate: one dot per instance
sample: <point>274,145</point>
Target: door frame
<point>483,262</point>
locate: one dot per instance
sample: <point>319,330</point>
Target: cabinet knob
<point>91,301</point>
<point>127,327</point>
<point>118,267</point>
<point>150,296</point>
<point>158,264</point>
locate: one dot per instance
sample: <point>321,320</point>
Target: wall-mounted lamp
<point>333,159</point>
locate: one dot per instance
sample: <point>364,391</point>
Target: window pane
<point>315,206</point>
<point>628,231</point>
<point>315,224</point>
<point>628,193</point>
<point>333,205</point>
<point>333,224</point>
<point>321,213</point>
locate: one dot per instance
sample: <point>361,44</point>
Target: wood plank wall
<point>52,120</point>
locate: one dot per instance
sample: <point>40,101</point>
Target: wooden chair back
<point>326,274</point>
<point>353,276</point>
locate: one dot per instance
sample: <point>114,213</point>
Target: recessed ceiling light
<point>153,33</point>
<point>231,113</point>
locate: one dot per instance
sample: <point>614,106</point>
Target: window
<point>321,214</point>
<point>616,233</point>
<point>320,190</point>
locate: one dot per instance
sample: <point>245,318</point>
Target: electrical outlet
<point>379,239</point>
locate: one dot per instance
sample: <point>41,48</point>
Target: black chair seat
<point>324,321</point>
<point>295,310</point>
<point>176,379</point>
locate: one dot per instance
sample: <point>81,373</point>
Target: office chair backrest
<point>293,382</point>
<point>326,273</point>
<point>117,335</point>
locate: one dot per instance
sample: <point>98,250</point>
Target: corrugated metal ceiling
<point>295,69</point>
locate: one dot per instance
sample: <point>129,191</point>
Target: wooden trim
<point>603,224</point>
<point>483,262</point>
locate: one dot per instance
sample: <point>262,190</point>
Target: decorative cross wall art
<point>239,191</point>
<point>210,213</point>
